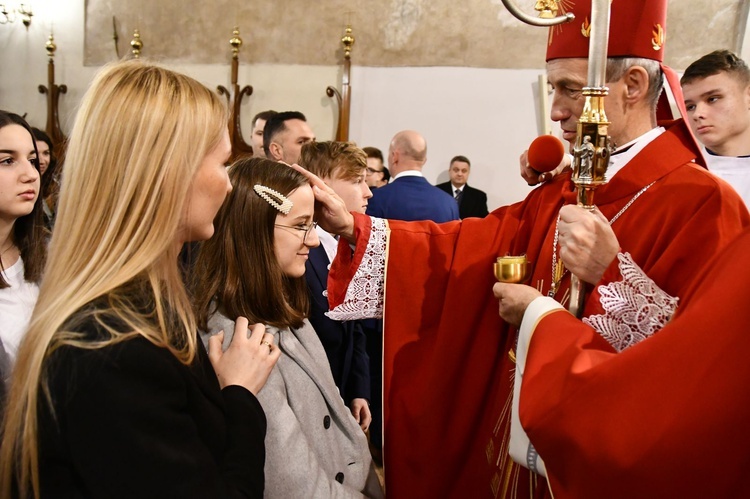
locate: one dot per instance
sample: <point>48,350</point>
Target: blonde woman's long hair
<point>139,136</point>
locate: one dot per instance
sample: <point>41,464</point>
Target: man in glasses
<point>377,173</point>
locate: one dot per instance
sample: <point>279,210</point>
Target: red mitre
<point>636,29</point>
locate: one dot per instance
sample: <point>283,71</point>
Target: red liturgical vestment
<point>665,418</point>
<point>446,363</point>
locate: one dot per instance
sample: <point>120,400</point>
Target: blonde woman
<point>112,394</point>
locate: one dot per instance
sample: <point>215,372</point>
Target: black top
<point>133,421</point>
<point>473,201</point>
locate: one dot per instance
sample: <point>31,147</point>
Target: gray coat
<point>314,447</point>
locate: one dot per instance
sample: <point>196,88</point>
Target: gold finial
<point>236,41</point>
<point>26,14</point>
<point>50,46</point>
<point>547,8</point>
<point>348,41</point>
<point>136,44</point>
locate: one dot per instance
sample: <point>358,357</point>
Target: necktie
<point>459,196</point>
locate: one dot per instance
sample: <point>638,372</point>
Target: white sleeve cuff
<point>521,450</point>
<point>364,298</point>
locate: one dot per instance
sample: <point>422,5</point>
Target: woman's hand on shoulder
<point>249,359</point>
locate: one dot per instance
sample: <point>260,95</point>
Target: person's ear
<point>276,151</point>
<point>636,84</point>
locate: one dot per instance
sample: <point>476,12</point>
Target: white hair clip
<point>274,198</point>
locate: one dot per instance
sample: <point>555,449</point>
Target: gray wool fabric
<point>314,447</point>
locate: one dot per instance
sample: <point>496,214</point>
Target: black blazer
<point>344,342</point>
<point>473,202</point>
<point>133,421</point>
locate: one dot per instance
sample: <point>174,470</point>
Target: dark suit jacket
<point>133,421</point>
<point>473,202</point>
<point>412,198</point>
<point>344,342</point>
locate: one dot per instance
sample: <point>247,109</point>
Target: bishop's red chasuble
<point>448,360</point>
<point>665,418</point>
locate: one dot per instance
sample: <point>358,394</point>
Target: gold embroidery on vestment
<point>657,41</point>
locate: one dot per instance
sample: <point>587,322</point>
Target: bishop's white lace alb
<point>634,308</point>
<point>364,296</point>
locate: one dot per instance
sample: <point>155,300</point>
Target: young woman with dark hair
<point>22,242</point>
<point>49,168</point>
<point>254,267</point>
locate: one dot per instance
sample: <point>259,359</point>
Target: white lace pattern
<point>364,296</point>
<point>634,308</point>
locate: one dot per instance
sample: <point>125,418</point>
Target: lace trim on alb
<point>634,308</point>
<point>364,296</point>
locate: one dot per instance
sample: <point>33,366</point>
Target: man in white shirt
<point>716,88</point>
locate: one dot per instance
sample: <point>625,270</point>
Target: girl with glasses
<point>255,267</point>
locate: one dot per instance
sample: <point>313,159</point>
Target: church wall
<point>487,114</point>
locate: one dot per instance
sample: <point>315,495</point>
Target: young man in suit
<point>342,166</point>
<point>409,196</point>
<point>471,202</point>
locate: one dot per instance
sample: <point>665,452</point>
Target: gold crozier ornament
<point>593,147</point>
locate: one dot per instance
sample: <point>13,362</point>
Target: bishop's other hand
<point>588,244</point>
<point>513,300</point>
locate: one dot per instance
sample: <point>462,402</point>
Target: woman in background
<point>113,394</point>
<point>22,246</point>
<point>48,166</point>
<point>254,267</point>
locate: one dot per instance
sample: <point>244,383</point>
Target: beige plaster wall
<point>466,33</point>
